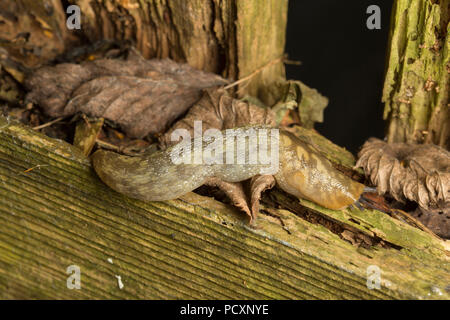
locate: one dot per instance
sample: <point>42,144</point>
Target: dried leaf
<point>259,184</point>
<point>86,134</point>
<point>419,173</point>
<point>142,96</point>
<point>234,191</point>
<point>217,109</point>
<point>310,103</point>
<point>437,220</point>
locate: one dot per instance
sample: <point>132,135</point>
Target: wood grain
<point>60,214</point>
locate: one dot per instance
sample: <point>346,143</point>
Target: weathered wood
<point>229,37</point>
<point>60,214</point>
<point>233,38</point>
<point>417,84</point>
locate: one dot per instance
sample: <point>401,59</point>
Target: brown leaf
<point>419,173</point>
<point>142,96</point>
<point>86,133</point>
<point>217,109</point>
<point>436,220</point>
<point>308,102</point>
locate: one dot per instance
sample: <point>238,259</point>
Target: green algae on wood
<point>417,83</point>
<point>194,247</point>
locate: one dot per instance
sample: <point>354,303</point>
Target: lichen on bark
<point>416,89</point>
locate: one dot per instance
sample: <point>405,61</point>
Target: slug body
<point>307,174</point>
<point>299,170</point>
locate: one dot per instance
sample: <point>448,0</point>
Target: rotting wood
<point>60,214</point>
<point>417,84</point>
<point>230,37</point>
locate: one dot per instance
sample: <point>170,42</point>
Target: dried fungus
<point>419,173</point>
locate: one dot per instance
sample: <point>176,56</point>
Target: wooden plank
<point>59,214</point>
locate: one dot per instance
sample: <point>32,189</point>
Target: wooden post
<point>229,37</point>
<point>417,85</point>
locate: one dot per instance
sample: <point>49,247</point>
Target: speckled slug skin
<point>306,174</point>
<point>302,171</point>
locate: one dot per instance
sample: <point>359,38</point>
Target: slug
<point>168,174</point>
<point>306,174</point>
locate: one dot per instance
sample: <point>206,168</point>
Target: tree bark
<point>232,38</point>
<point>416,89</point>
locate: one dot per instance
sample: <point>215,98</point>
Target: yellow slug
<point>307,174</point>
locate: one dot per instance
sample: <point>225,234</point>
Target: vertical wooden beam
<point>416,89</point>
<point>229,37</point>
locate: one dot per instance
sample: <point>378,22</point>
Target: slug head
<point>305,173</point>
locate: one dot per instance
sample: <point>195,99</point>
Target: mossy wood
<point>55,212</point>
<point>417,84</point>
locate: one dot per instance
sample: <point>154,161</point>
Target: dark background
<point>344,61</point>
